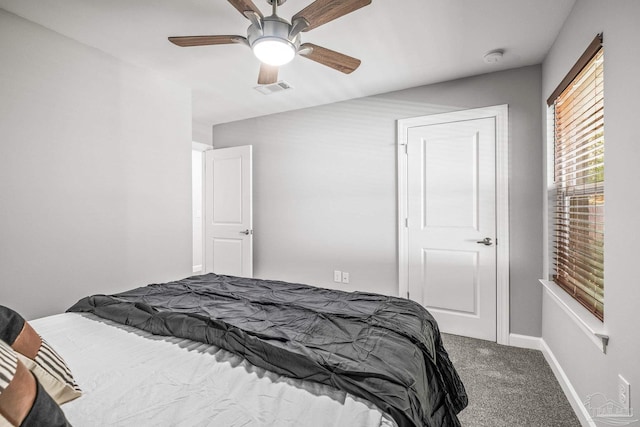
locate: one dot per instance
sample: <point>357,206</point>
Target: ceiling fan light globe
<point>274,51</point>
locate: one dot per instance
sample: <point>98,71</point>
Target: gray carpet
<point>507,386</point>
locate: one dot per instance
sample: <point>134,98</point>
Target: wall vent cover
<point>273,88</point>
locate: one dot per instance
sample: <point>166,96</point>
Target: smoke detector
<point>493,57</point>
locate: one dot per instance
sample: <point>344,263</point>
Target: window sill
<point>587,322</point>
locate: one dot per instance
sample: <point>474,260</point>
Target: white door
<point>229,217</point>
<point>451,212</point>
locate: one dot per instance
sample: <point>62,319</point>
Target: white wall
<point>95,182</point>
<point>588,369</point>
<point>325,182</point>
<point>201,133</point>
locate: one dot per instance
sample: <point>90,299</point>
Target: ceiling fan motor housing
<point>275,28</point>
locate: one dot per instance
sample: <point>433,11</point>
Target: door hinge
<point>406,148</point>
<point>408,295</point>
<point>406,223</point>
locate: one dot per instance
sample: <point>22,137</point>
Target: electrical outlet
<point>337,276</point>
<point>624,389</point>
<point>345,277</point>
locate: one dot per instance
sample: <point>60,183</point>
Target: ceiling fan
<point>275,41</point>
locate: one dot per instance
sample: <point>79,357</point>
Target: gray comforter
<point>384,349</point>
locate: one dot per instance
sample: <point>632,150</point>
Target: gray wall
<point>95,172</point>
<point>325,183</point>
<point>589,370</point>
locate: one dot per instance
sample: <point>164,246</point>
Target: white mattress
<point>132,378</point>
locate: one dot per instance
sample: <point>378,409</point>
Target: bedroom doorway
<point>228,211</point>
<point>197,207</point>
<point>453,232</point>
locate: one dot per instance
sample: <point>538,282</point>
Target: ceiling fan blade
<point>246,6</point>
<point>330,58</point>
<point>187,41</point>
<point>268,74</point>
<point>322,11</point>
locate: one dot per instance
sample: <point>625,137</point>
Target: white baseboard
<point>572,395</point>
<point>197,268</point>
<point>525,341</point>
<point>537,343</point>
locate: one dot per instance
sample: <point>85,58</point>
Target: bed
<point>230,351</point>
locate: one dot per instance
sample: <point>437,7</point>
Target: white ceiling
<point>402,44</point>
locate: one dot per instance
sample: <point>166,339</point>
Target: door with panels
<point>450,226</point>
<point>229,216</point>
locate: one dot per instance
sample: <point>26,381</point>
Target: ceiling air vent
<point>273,88</point>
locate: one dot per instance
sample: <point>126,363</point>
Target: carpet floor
<point>507,386</point>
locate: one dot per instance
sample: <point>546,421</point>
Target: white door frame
<point>501,115</point>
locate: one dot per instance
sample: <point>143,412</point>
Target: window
<point>577,108</point>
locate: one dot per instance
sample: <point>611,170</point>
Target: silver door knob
<point>486,241</point>
<point>245,232</point>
